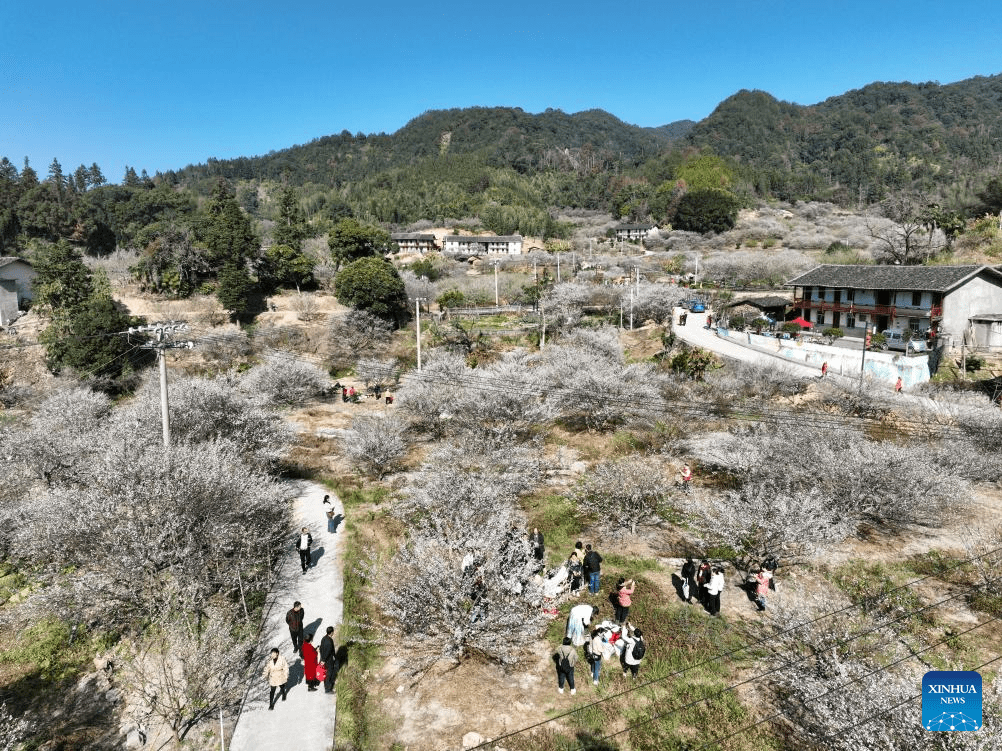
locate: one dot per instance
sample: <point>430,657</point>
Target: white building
<point>477,245</point>
<point>16,279</point>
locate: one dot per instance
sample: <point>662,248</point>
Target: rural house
<point>410,242</point>
<point>634,232</point>
<point>16,279</point>
<point>477,245</point>
<point>942,298</point>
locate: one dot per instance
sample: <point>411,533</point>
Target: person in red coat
<point>310,663</point>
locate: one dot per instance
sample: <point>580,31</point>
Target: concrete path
<point>306,720</point>
<point>694,332</point>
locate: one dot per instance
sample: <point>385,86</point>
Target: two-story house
<point>413,242</point>
<point>476,245</point>
<point>634,232</point>
<point>857,298</point>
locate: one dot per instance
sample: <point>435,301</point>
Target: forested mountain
<point>858,147</point>
<point>498,136</point>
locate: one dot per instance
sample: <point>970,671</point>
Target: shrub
<point>377,443</point>
<point>284,381</point>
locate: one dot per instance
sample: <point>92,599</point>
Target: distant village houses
<point>16,279</point>
<point>476,245</point>
<point>943,300</point>
<point>410,242</point>
<point>635,232</point>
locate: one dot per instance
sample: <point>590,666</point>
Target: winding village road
<point>303,721</point>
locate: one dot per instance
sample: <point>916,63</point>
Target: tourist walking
<point>688,578</point>
<point>276,672</point>
<point>328,651</point>
<point>624,600</point>
<point>566,657</point>
<point>897,385</point>
<point>593,569</point>
<point>634,649</point>
<point>824,368</point>
<point>310,663</point>
<point>574,572</point>
<point>303,546</point>
<point>713,590</point>
<point>761,588</point>
<point>295,620</point>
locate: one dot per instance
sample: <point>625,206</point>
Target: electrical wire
<point>759,642</point>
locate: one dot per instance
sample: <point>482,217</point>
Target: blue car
<point>695,306</point>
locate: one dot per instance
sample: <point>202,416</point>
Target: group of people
<point>606,641</point>
<point>706,582</point>
<point>353,395</point>
<point>583,565</point>
<point>319,666</point>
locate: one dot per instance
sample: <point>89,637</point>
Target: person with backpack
<point>688,579</point>
<point>634,650</point>
<point>592,569</point>
<point>566,657</point>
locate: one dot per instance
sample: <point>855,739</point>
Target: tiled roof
<point>764,301</point>
<point>644,227</point>
<point>927,278</point>
<point>412,236</point>
<point>482,238</point>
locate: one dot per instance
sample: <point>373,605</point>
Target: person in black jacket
<point>592,569</point>
<point>303,546</point>
<point>688,579</point>
<point>295,619</point>
<point>327,653</point>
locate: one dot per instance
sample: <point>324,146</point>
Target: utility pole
<point>497,300</point>
<point>164,333</point>
<point>631,310</point>
<point>535,279</point>
<point>558,267</point>
<point>417,310</point>
<point>542,340</point>
<point>620,313</point>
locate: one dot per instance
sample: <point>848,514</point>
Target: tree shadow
<point>341,658</point>
<point>590,742</point>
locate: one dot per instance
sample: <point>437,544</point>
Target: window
<point>913,323</point>
<point>850,295</point>
<point>807,293</point>
<point>821,293</point>
<point>916,299</point>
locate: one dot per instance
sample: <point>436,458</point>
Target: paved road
<point>306,720</point>
<point>694,332</point>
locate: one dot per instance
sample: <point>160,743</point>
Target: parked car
<point>695,306</point>
<point>903,341</point>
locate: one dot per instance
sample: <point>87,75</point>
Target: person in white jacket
<point>634,650</point>
<point>713,590</point>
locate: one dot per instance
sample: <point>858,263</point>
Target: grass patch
<point>560,522</point>
<point>354,493</point>
<point>943,566</point>
<point>877,589</point>
<point>356,728</point>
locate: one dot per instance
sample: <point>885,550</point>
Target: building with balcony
<point>410,242</point>
<point>942,299</point>
<point>635,232</point>
<point>477,245</point>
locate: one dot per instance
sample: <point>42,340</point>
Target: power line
<point>718,741</point>
<point>759,642</point>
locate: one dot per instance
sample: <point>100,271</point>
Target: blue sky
<point>159,85</point>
